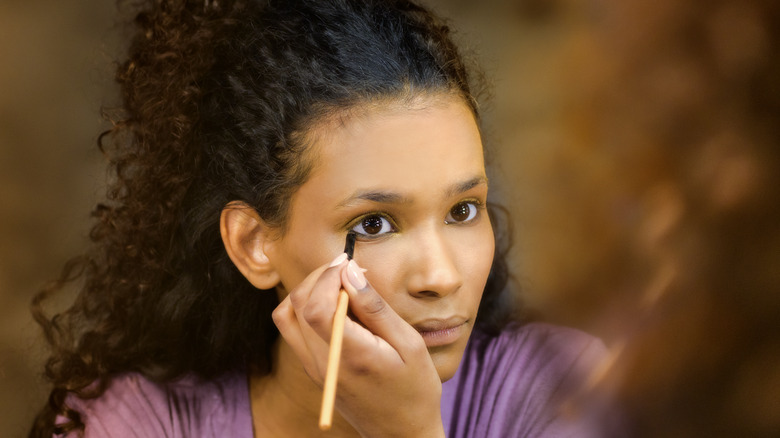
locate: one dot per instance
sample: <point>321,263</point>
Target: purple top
<point>506,386</point>
<point>515,385</point>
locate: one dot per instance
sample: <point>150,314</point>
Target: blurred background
<point>632,141</point>
<point>54,75</point>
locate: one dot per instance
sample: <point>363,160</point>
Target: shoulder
<point>537,356</point>
<point>134,406</point>
<point>517,382</point>
<point>559,350</point>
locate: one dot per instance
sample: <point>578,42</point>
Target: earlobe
<point>244,235</point>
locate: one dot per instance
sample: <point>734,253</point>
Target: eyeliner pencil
<point>334,353</point>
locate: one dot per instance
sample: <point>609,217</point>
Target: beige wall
<point>50,61</point>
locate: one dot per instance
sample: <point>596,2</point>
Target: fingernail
<point>355,275</point>
<point>338,260</point>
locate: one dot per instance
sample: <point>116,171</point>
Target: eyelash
<point>476,204</point>
<point>380,214</point>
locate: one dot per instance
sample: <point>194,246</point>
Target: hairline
<point>327,116</point>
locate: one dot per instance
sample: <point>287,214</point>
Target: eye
<point>462,212</point>
<point>373,225</point>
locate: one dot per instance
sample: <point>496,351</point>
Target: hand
<point>387,384</point>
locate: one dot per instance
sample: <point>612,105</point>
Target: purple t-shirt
<point>507,386</point>
<point>520,383</point>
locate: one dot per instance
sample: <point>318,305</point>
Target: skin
<point>416,168</point>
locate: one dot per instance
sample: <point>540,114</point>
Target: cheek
<point>300,253</point>
<point>381,261</point>
<point>475,254</point>
<point>386,262</point>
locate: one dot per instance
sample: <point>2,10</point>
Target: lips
<point>440,332</point>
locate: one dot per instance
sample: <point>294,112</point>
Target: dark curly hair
<point>216,96</point>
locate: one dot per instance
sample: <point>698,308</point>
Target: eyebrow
<point>387,197</point>
<point>465,186</point>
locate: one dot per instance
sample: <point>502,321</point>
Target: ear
<point>245,235</point>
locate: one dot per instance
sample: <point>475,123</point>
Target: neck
<point>286,402</point>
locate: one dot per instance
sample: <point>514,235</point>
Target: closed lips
<point>440,332</point>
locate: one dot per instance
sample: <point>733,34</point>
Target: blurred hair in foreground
<point>674,150</point>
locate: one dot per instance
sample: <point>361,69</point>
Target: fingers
<point>381,353</point>
<point>316,305</point>
<point>377,316</point>
<point>287,323</point>
<point>298,311</point>
<point>305,320</point>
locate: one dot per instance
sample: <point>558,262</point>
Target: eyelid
<point>481,205</point>
<point>476,201</point>
<point>354,221</point>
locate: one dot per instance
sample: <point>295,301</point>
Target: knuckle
<point>375,306</point>
<point>315,315</point>
<point>297,298</point>
<point>360,365</point>
<point>278,317</point>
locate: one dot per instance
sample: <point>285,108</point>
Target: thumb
<point>374,313</point>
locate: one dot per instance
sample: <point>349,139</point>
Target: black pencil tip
<point>350,246</point>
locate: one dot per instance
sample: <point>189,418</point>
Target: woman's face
<point>410,180</point>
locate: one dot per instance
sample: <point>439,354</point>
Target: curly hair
<point>216,95</point>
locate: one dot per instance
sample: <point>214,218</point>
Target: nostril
<point>427,294</point>
<point>434,282</point>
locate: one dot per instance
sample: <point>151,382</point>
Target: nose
<point>433,266</point>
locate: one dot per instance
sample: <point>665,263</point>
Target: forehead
<point>406,145</point>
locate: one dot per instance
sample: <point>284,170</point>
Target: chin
<point>446,362</point>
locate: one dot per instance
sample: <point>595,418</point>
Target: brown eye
<point>372,224</point>
<point>462,212</point>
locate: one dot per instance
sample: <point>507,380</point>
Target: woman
<point>254,136</point>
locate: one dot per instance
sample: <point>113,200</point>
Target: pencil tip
<point>350,246</point>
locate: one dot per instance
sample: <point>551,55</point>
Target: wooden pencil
<point>334,357</point>
<point>334,352</point>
